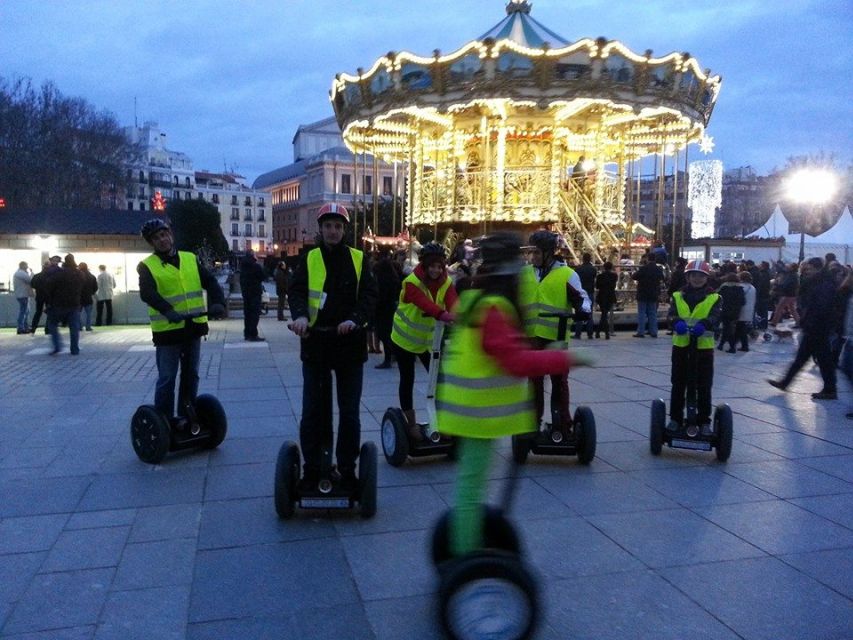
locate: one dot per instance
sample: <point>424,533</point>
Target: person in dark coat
<point>282,279</point>
<point>389,283</point>
<point>817,320</point>
<point>90,286</point>
<point>605,284</point>
<point>649,278</point>
<point>63,291</point>
<point>761,282</point>
<point>587,273</point>
<point>38,284</point>
<point>252,288</point>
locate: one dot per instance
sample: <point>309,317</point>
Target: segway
<point>690,436</point>
<point>488,593</point>
<point>328,493</point>
<point>556,438</point>
<point>397,445</point>
<point>203,426</point>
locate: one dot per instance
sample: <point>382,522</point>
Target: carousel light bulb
<point>704,195</point>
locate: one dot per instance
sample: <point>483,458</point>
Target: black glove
<point>216,311</point>
<point>174,317</point>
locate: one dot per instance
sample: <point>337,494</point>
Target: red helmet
<point>332,209</point>
<point>698,265</point>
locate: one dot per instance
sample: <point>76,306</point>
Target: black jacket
<point>251,278</point>
<point>649,278</point>
<point>90,286</point>
<point>605,282</point>
<point>817,303</point>
<point>346,298</point>
<point>586,272</point>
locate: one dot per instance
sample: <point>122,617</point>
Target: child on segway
<point>694,312</point>
<point>427,295</point>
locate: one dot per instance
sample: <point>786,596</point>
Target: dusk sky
<point>229,81</point>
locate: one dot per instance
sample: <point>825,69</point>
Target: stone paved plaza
<point>96,544</point>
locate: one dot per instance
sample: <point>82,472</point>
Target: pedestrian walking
<point>388,283</point>
<point>104,296</point>
<point>87,297</point>
<point>38,285</point>
<point>786,289</point>
<point>23,292</point>
<point>747,311</point>
<point>64,290</point>
<point>282,279</point>
<point>252,289</point>
<point>649,278</point>
<point>733,298</point>
<point>605,297</point>
<point>587,273</point>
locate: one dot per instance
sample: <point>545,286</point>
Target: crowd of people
<point>66,293</point>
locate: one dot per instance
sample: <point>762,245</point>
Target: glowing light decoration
<point>706,144</point>
<point>158,202</point>
<point>704,195</point>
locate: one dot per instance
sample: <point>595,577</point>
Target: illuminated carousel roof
<point>519,27</point>
<point>527,76</point>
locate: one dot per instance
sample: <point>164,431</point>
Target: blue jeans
<point>71,317</point>
<point>87,312</point>
<point>647,314</point>
<point>315,430</point>
<point>186,355</point>
<point>23,311</point>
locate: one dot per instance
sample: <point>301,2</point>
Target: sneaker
<point>825,395</point>
<point>731,350</point>
<point>778,384</point>
<point>707,429</point>
<point>638,335</point>
<point>673,425</point>
<point>255,339</point>
<point>743,349</point>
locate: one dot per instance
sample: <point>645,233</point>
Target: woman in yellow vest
<point>483,391</point>
<point>172,284</point>
<point>427,295</point>
<point>693,313</point>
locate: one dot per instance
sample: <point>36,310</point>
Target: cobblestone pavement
<point>96,544</point>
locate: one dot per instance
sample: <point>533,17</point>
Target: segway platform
<point>579,440</point>
<point>398,446</point>
<point>690,436</point>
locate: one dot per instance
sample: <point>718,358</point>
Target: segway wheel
<point>656,426</point>
<point>150,434</point>
<point>367,464</point>
<point>212,417</point>
<point>586,436</point>
<point>395,440</point>
<point>520,448</point>
<point>724,428</point>
<point>488,595</point>
<point>286,478</point>
<point>498,532</point>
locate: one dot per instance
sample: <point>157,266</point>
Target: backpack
<point>734,298</point>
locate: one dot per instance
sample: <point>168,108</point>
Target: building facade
<point>324,171</point>
<point>156,169</point>
<point>746,203</point>
<point>244,212</point>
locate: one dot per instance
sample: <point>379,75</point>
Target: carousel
<point>522,129</point>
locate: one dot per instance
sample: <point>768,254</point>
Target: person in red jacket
<point>427,295</point>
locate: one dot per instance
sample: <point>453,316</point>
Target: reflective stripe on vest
<point>474,396</point>
<point>180,287</point>
<point>547,296</point>
<point>317,279</point>
<point>412,330</point>
<point>700,312</point>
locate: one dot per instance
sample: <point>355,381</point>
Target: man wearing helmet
<point>549,286</point>
<point>171,283</point>
<point>331,296</point>
<point>694,311</point>
<point>427,295</point>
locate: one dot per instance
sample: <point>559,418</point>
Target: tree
<point>196,225</point>
<point>57,151</point>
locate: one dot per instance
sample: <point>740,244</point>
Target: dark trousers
<point>729,333</point>
<point>251,316</point>
<point>102,304</point>
<point>282,303</point>
<point>814,345</point>
<point>37,316</point>
<point>406,365</point>
<point>588,325</point>
<point>64,315</point>
<point>315,430</point>
<point>604,320</point>
<point>185,355</point>
<point>704,381</point>
<point>742,334</point>
<point>559,393</point>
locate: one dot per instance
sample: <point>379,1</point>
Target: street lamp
<point>812,187</point>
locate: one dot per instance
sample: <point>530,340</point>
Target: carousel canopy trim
<point>521,28</point>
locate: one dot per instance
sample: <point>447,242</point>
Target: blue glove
<point>680,327</point>
<point>174,317</point>
<point>698,329</point>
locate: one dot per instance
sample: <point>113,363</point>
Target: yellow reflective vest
<point>700,312</point>
<point>317,279</point>
<point>180,287</point>
<point>475,398</point>
<point>412,330</point>
<point>545,296</point>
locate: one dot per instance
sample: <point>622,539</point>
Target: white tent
<point>775,227</point>
<point>838,239</point>
<point>841,232</point>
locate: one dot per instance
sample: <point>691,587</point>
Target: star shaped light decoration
<point>706,144</point>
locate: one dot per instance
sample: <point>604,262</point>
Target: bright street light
<point>812,187</point>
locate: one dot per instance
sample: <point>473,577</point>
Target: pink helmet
<point>698,265</point>
<point>332,209</point>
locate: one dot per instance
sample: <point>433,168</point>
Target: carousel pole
<point>375,194</point>
<point>395,192</point>
<point>686,186</point>
<point>674,201</point>
<point>660,169</point>
<point>355,201</point>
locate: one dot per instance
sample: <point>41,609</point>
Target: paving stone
<point>156,564</point>
<point>86,549</point>
<point>405,618</point>
<point>166,523</point>
<point>67,633</point>
<point>32,533</point>
<point>41,495</point>
<point>150,487</point>
<point>788,479</point>
<point>127,615</point>
<point>16,571</point>
<point>605,493</point>
<point>240,481</point>
<point>99,519</point>
<point>697,486</point>
<point>833,568</point>
<point>838,509</point>
<point>405,550</point>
